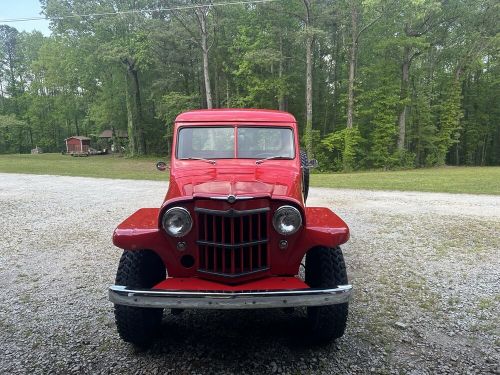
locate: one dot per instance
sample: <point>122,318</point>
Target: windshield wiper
<point>202,159</point>
<point>271,158</point>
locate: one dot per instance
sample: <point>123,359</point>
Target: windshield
<point>258,143</point>
<point>206,142</point>
<point>219,142</point>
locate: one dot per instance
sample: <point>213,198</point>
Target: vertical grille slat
<point>233,266</point>
<point>215,259</point>
<point>250,257</point>
<point>214,228</point>
<point>242,260</point>
<point>250,229</point>
<point>241,224</point>
<point>223,260</point>
<point>233,244</point>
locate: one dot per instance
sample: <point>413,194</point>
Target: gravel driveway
<point>425,268</point>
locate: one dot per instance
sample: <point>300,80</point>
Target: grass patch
<point>485,303</point>
<point>105,166</point>
<point>473,180</point>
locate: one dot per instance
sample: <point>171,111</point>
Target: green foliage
<point>137,71</point>
<point>378,113</point>
<point>449,123</point>
<point>422,134</point>
<point>13,133</point>
<point>175,103</point>
<point>10,121</point>
<point>169,107</point>
<point>404,159</point>
<point>345,145</point>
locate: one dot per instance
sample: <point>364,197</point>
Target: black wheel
<point>325,268</point>
<point>139,269</point>
<point>305,173</point>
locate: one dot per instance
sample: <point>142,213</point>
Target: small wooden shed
<point>114,139</point>
<point>77,144</point>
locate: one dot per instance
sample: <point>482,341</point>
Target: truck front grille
<point>232,243</point>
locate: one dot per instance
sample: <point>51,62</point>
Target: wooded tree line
<point>373,83</point>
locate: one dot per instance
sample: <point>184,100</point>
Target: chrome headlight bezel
<point>284,212</point>
<point>182,213</point>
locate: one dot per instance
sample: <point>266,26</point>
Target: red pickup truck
<point>233,230</point>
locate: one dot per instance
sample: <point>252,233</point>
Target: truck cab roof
<point>235,115</point>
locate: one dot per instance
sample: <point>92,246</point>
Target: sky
<point>21,9</point>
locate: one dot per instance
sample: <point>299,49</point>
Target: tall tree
<point>200,14</point>
<point>419,19</point>
<point>9,61</point>
<point>309,83</point>
<point>357,29</point>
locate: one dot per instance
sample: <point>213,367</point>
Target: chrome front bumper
<point>228,300</point>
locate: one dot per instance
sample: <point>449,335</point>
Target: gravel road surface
<point>425,268</point>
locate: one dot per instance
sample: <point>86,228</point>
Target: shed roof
<point>228,115</point>
<point>79,137</point>
<point>109,133</point>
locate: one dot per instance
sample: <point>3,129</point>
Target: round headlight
<point>287,220</point>
<point>177,221</point>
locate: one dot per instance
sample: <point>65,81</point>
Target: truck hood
<point>277,182</point>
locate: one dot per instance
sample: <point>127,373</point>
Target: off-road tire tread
<point>305,173</point>
<point>139,269</point>
<point>325,268</point>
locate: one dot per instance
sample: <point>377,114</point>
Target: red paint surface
<point>196,284</point>
<point>277,179</point>
<point>271,184</point>
<point>235,115</point>
<point>321,228</point>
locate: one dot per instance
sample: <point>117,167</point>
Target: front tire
<point>325,268</point>
<point>140,269</point>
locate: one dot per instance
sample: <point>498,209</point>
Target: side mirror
<point>161,166</point>
<point>312,163</point>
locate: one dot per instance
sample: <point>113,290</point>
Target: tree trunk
<point>136,91</point>
<point>309,112</point>
<point>30,132</point>
<point>336,85</point>
<point>13,83</point>
<point>76,126</point>
<point>281,94</point>
<point>483,153</point>
<point>206,75</point>
<point>20,140</point>
<point>202,17</point>
<point>405,80</point>
<point>1,97</point>
<point>130,118</point>
<point>200,14</point>
<point>216,86</point>
<point>134,109</point>
<point>309,52</point>
<point>114,140</point>
<point>352,65</point>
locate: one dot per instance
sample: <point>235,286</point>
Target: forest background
<point>373,84</point>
